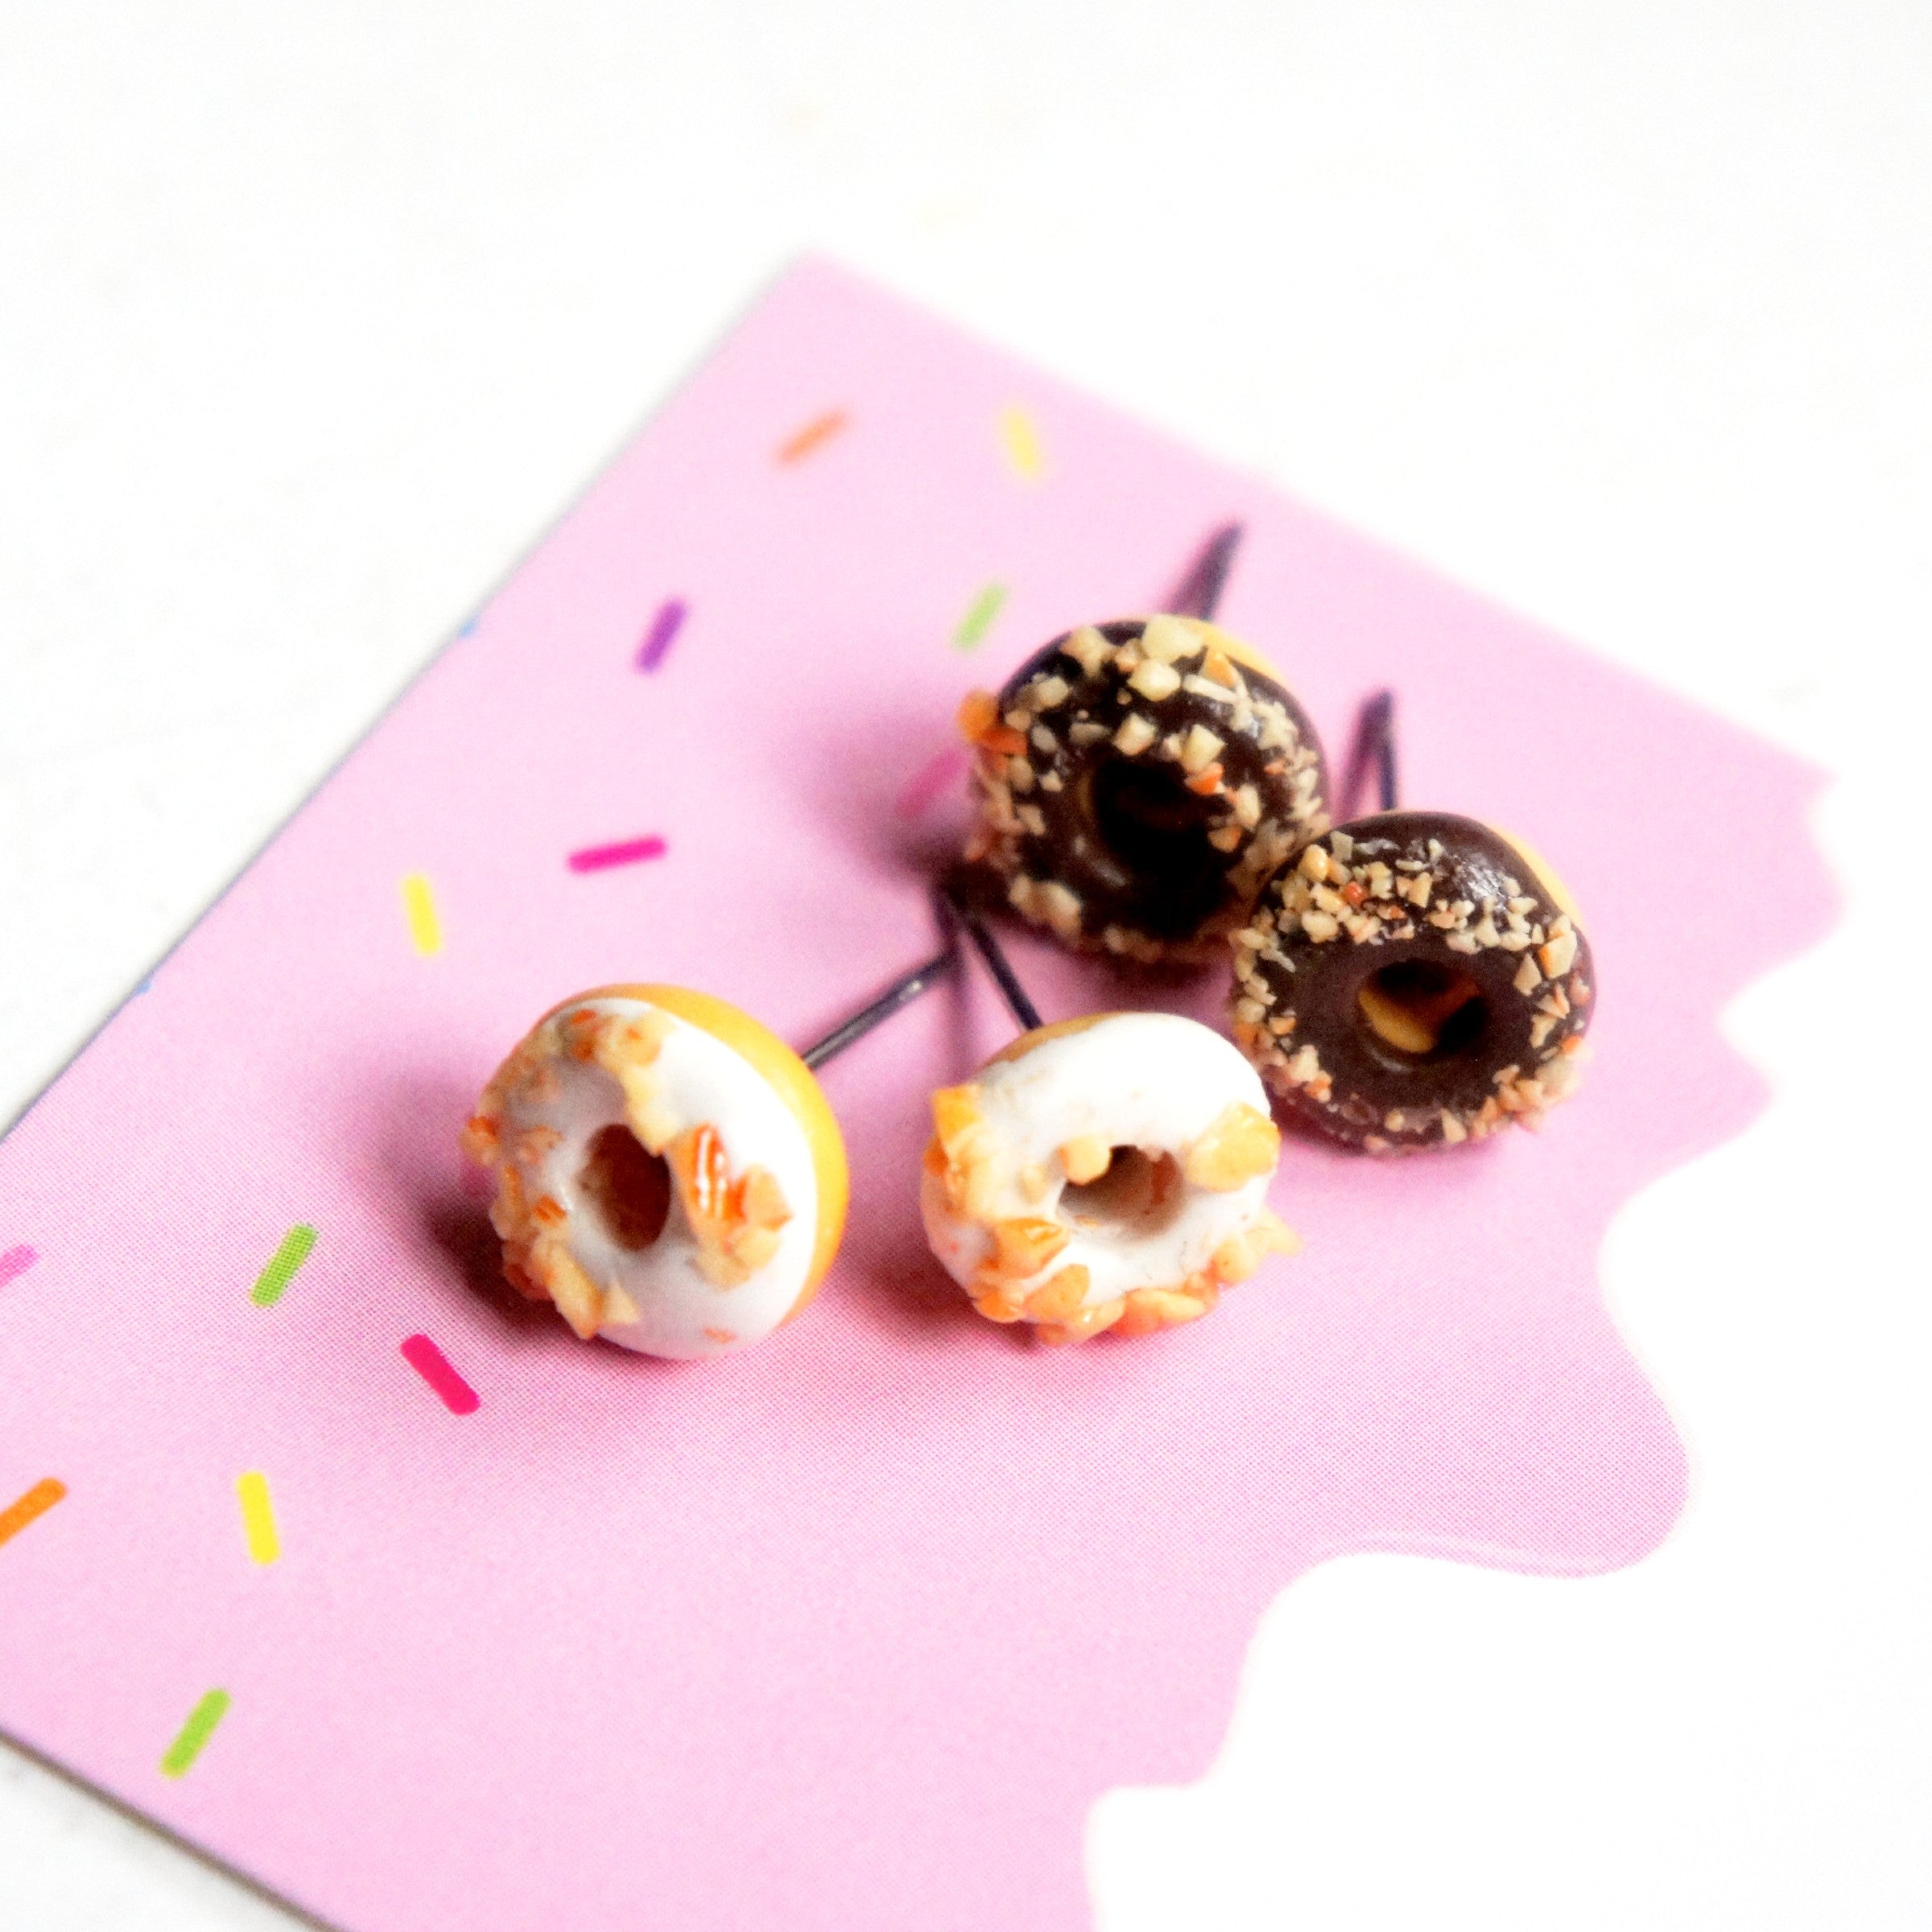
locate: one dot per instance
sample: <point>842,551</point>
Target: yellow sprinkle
<point>257,1516</point>
<point>419,909</point>
<point>1022,442</point>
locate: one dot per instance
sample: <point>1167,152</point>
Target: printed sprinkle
<point>15,1262</point>
<point>200,1727</point>
<point>257,1516</point>
<point>628,851</point>
<point>931,779</point>
<point>1021,440</point>
<point>662,634</point>
<point>816,433</point>
<point>433,1365</point>
<point>979,617</point>
<point>29,1508</point>
<point>297,1245</point>
<point>419,909</point>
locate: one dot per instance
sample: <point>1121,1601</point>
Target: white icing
<point>698,1079</point>
<point>1151,1081</point>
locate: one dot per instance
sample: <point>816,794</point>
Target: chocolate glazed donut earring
<point>1137,780</point>
<point>669,1172</point>
<point>1412,979</point>
<point>1109,1172</point>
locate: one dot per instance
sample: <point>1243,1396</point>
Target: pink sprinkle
<point>664,628</point>
<point>599,858</point>
<point>931,779</point>
<point>15,1263</point>
<point>432,1364</point>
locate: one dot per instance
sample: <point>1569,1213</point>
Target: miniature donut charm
<point>1103,1173</point>
<point>668,1172</point>
<point>1415,978</point>
<point>1136,783</point>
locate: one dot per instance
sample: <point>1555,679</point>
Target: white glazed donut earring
<point>1104,1172</point>
<point>668,1171</point>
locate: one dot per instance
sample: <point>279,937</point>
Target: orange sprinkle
<point>820,429</point>
<point>36,1502</point>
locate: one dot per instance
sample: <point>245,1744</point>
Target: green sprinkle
<point>979,617</point>
<point>194,1733</point>
<point>280,1270</point>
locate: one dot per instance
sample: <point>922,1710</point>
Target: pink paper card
<point>331,1556</point>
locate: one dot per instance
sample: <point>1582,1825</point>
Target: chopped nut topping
<point>1089,649</point>
<point>1061,906</point>
<point>1200,748</point>
<point>1197,686</point>
<point>1156,680</point>
<point>1239,1145</point>
<point>1168,639</point>
<point>1061,1297</point>
<point>1558,955</point>
<point>1086,1158</point>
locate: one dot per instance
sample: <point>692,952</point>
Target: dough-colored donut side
<point>1106,1173</point>
<point>668,1172</point>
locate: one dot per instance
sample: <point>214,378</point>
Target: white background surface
<point>311,318</point>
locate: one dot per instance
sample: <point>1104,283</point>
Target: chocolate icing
<point>1493,965</point>
<point>1155,853</point>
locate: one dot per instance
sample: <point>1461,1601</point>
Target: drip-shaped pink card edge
<point>388,1592</point>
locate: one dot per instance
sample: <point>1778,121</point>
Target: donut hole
<point>1155,831</point>
<point>1141,1194</point>
<point>1423,1009</point>
<point>628,1185</point>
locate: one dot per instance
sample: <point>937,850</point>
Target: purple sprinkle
<point>599,858</point>
<point>15,1263</point>
<point>664,628</point>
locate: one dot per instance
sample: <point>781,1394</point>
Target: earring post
<point>989,950</point>
<point>1374,743</point>
<point>1199,593</point>
<point>903,991</point>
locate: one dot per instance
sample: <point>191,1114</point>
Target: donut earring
<point>669,1172</point>
<point>1412,979</point>
<point>1137,780</point>
<point>1109,1172</point>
